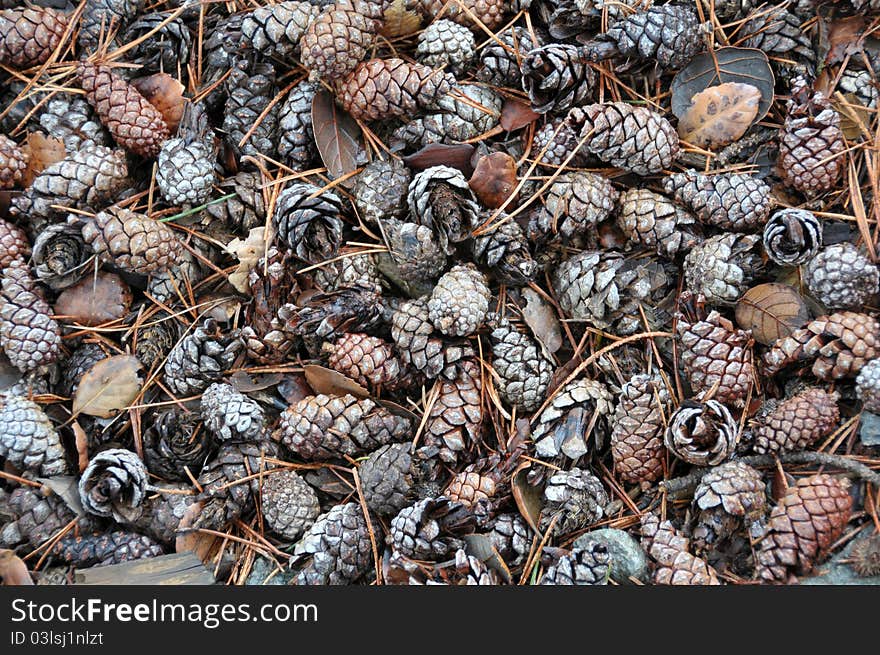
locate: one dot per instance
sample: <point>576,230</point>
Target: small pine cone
<point>722,267</point>
<point>439,198</point>
<point>557,139</point>
<point>29,335</point>
<point>340,37</point>
<point>865,556</point>
<point>575,203</point>
<point>230,415</point>
<point>105,549</point>
<point>327,427</point>
<point>860,83</point>
<point>28,439</point>
<point>731,201</point>
<point>429,529</point>
<point>728,10</point>
<point>489,12</point>
<point>162,512</point>
<point>841,343</point>
<point>134,123</point>
<point>582,566</point>
<point>467,112</point>
<point>113,484</point>
<point>132,242</point>
<point>296,140</point>
<point>473,489</point>
<point>310,226</point>
<point>777,31</point>
<point>164,43</point>
<point>29,35</point>
<point>72,120</point>
<point>246,209</point>
<point>446,44</point>
<point>523,370</point>
<point>380,190</point>
<point>500,60</point>
<point>386,478</point>
<point>578,411</point>
<point>13,162</point>
<point>803,526</point>
<point>729,496</point>
<point>511,537</point>
<point>39,516</point>
<point>275,31</point>
<point>458,305</point>
<point>792,236</point>
<point>369,361</point>
<point>414,253</point>
<point>350,271</point>
<point>576,497</point>
<point>330,315</point>
<point>417,345</point>
<point>669,549</point>
<point>380,89</point>
<point>652,220</point>
<point>868,386</point>
<point>174,442</point>
<point>702,433</point>
<point>336,550</point>
<point>841,277</point>
<point>60,256</point>
<point>185,172</point>
<point>557,77</point>
<point>290,505</point>
<point>78,364</point>
<point>101,18</point>
<point>636,139</point>
<point>154,338</point>
<point>811,144</point>
<point>14,244</point>
<point>671,34</point>
<point>715,354</point>
<point>455,422</point>
<point>797,422</point>
<point>505,251</point>
<point>637,433</point>
<point>200,358</point>
<point>251,88</point>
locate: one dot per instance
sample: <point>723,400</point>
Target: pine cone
<point>329,315</point>
<point>78,364</point>
<point>637,429</point>
<point>557,77</point>
<point>722,267</point>
<point>230,415</point>
<point>340,36</point>
<point>414,254</point>
<point>200,358</point>
<point>803,526</point>
<point>841,343</point>
<point>275,31</point>
<point>429,529</point>
<point>777,31</point>
<point>578,411</point>
<point>380,190</point>
<point>797,422</point>
<point>28,439</point>
<point>500,60</point>
<point>101,18</point>
<point>703,434</point>
<point>575,203</point>
<point>349,271</point>
<point>581,566</point>
<point>290,505</point>
<point>730,201</point>
<point>557,139</point>
<point>386,478</point>
<point>154,337</point>
<point>14,244</point>
<point>455,422</point>
<point>468,111</point>
<point>669,549</point>
<point>39,515</point>
<point>336,550</point>
<point>29,35</point>
<point>113,484</point>
<point>577,497</point>
<point>729,496</point>
<point>523,370</point>
<point>511,537</point>
<point>72,120</point>
<point>30,337</point>
<point>162,512</point>
<point>505,250</point>
<point>489,12</point>
<point>868,386</point>
<point>132,242</point>
<point>296,140</point>
<point>251,88</point>
<point>13,160</point>
<point>185,172</point>
<point>458,305</point>
<point>104,549</point>
<point>60,255</point>
<point>132,121</point>
<point>792,236</point>
<point>380,89</point>
<point>417,345</point>
<point>369,361</point>
<point>811,143</point>
<point>651,220</point>
<point>163,43</point>
<point>841,277</point>
<point>174,441</point>
<point>309,225</point>
<point>636,139</point>
<point>440,198</point>
<point>326,427</point>
<point>445,44</point>
<point>244,210</point>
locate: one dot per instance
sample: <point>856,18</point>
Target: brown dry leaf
<point>844,38</point>
<point>245,383</point>
<point>720,114</point>
<point>42,151</point>
<point>109,386</point>
<point>771,311</point>
<point>330,382</point>
<point>540,317</point>
<point>526,496</point>
<point>67,489</point>
<point>855,118</point>
<point>13,570</point>
<point>82,446</point>
<point>434,154</point>
<point>248,251</point>
<point>337,135</point>
<point>399,21</point>
<point>188,540</point>
<point>494,179</point>
<point>95,300</point>
<point>165,94</point>
<point>516,114</point>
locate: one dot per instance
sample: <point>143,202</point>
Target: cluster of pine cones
<point>361,366</point>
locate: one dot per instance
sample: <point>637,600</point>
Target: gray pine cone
<point>200,358</point>
<point>722,267</point>
<point>840,277</point>
<point>336,550</point>
<point>792,236</point>
<point>28,439</point>
<point>582,566</point>
<point>380,190</point>
<point>576,497</point>
<point>290,505</point>
<point>229,414</point>
<point>114,484</point>
<point>524,371</point>
<point>458,305</point>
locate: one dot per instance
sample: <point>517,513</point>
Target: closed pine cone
<point>797,422</point>
<point>638,423</point>
<point>674,564</point>
<point>29,335</point>
<point>13,162</point>
<point>29,35</point>
<point>455,422</point>
<point>367,360</point>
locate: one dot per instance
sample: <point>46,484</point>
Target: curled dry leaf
<point>540,317</point>
<point>42,151</point>
<point>246,383</point>
<point>95,300</point>
<point>109,386</point>
<point>844,38</point>
<point>720,114</point>
<point>399,21</point>
<point>327,381</point>
<point>165,94</point>
<point>199,543</point>
<point>494,179</point>
<point>434,154</point>
<point>516,114</point>
<point>771,311</point>
<point>13,570</point>
<point>526,496</point>
<point>338,137</point>
<point>66,487</point>
<point>82,446</point>
<point>248,252</point>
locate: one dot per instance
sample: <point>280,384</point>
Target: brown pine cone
<point>841,343</point>
<point>458,305</point>
<point>703,434</point>
<point>114,484</point>
<point>577,414</point>
<point>797,422</point>
<point>638,423</point>
<point>728,497</point>
<point>472,488</point>
<point>803,527</point>
<point>419,346</point>
<point>105,549</point>
<point>865,556</point>
<point>652,220</point>
<point>28,439</point>
<point>722,267</point>
<point>669,549</point>
<point>29,35</point>
<point>132,121</point>
<point>337,39</point>
<point>13,162</point>
<point>455,423</point>
<point>13,244</point>
<point>367,360</point>
<point>380,89</point>
<point>489,12</point>
<point>728,201</point>
<point>29,335</point>
<point>290,506</point>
